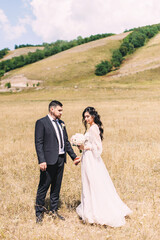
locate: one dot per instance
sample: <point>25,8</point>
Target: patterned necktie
<point>60,135</point>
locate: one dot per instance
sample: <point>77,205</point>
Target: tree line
<point>137,38</point>
<point>3,52</point>
<point>25,45</point>
<point>49,50</point>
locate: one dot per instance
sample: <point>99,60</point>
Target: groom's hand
<point>77,160</point>
<point>43,166</point>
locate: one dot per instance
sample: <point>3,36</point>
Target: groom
<point>51,142</point>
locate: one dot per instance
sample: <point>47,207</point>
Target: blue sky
<point>38,21</point>
<point>15,11</point>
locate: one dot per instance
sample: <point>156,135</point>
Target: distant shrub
<point>116,58</point>
<point>8,85</point>
<point>3,52</point>
<point>124,48</point>
<point>131,48</point>
<point>38,84</point>
<point>146,28</point>
<point>150,31</point>
<point>137,39</point>
<point>2,72</point>
<point>103,68</point>
<point>25,45</point>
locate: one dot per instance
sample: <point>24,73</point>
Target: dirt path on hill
<point>18,83</point>
<point>97,43</point>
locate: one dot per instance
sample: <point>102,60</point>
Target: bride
<point>100,202</point>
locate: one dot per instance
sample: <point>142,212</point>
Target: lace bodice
<point>93,140</point>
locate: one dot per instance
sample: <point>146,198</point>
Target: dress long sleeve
<point>95,143</point>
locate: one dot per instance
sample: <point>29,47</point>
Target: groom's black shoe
<point>55,215</point>
<point>39,218</point>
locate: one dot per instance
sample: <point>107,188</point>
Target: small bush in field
<point>8,85</point>
<point>103,68</point>
<point>116,58</point>
<point>2,72</point>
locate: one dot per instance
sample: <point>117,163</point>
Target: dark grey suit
<point>47,148</point>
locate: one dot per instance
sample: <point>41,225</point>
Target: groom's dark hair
<point>55,103</point>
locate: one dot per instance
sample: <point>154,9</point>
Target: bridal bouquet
<point>77,139</point>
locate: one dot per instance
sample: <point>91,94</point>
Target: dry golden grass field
<point>130,112</point>
<point>131,152</point>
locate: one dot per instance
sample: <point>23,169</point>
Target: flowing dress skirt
<point>100,202</point>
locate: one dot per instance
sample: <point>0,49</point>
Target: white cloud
<point>12,32</point>
<point>3,18</point>
<point>67,19</point>
<point>26,2</point>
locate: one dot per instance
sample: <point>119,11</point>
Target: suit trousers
<point>51,177</point>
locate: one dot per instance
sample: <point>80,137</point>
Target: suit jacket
<point>46,142</point>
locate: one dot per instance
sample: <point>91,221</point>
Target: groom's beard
<point>59,117</point>
<point>56,117</point>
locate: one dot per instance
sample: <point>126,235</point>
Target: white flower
<point>63,125</point>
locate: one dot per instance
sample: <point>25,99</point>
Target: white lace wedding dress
<point>100,202</point>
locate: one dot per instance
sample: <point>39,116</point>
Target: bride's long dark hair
<point>96,118</point>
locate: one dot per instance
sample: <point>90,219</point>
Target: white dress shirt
<point>61,150</point>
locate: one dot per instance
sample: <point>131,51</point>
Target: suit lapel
<point>51,126</point>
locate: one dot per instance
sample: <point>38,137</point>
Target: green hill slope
<point>20,51</point>
<point>76,66</point>
<point>140,68</point>
<point>73,66</point>
<point>144,58</point>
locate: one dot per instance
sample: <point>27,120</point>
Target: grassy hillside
<point>146,57</point>
<point>73,66</point>
<point>76,66</point>
<point>20,51</point>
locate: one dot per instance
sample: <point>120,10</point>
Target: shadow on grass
<point>71,205</point>
<point>48,207</point>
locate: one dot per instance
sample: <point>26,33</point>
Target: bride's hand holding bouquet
<point>78,140</point>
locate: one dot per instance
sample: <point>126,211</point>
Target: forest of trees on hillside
<point>49,50</point>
